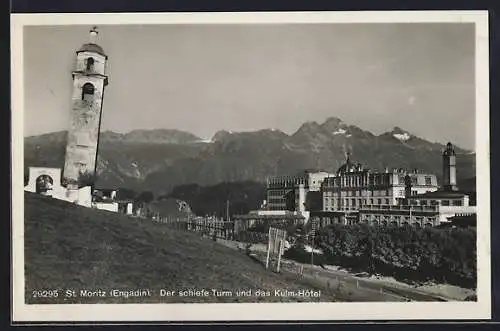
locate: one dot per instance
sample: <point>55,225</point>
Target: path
<point>326,277</point>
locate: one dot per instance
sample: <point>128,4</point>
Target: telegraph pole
<point>312,241</point>
<point>410,214</point>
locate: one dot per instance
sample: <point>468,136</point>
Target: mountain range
<point>160,159</point>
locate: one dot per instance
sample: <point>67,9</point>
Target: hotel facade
<point>353,187</point>
<point>357,195</point>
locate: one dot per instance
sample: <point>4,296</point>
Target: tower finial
<point>93,35</point>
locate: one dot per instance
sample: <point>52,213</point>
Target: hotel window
<point>386,201</point>
<point>379,201</point>
<point>445,202</point>
<point>428,180</point>
<point>353,201</point>
<point>388,193</point>
<point>423,202</point>
<point>457,202</point>
<point>413,192</point>
<point>371,201</point>
<point>402,193</point>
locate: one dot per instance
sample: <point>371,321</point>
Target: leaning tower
<point>89,81</point>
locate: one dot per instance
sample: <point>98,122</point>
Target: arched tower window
<point>90,64</point>
<point>88,92</point>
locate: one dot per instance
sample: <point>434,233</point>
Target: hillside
<point>69,247</point>
<point>159,160</point>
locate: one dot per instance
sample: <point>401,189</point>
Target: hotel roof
<point>440,194</point>
<point>269,217</point>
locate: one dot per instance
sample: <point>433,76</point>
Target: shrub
<point>86,179</point>
<point>417,254</point>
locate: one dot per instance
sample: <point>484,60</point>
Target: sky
<point>206,78</point>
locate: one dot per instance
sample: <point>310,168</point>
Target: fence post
<point>279,256</point>
<point>268,249</point>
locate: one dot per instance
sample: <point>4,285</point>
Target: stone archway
<point>44,184</point>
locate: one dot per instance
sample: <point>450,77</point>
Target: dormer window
<point>90,64</point>
<point>87,92</point>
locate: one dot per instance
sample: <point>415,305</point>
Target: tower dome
<point>92,46</point>
<point>349,166</point>
<point>450,150</point>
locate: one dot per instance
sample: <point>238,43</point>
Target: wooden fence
<point>214,228</point>
<point>206,226</point>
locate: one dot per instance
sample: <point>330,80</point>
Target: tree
<point>125,194</point>
<point>85,178</point>
<point>145,197</point>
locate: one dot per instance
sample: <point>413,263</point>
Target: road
<point>363,288</point>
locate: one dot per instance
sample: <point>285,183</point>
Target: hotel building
<point>430,208</point>
<point>353,187</point>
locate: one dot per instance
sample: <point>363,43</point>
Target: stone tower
<point>89,80</point>
<point>449,169</point>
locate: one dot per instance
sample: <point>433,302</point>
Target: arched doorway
<point>44,184</point>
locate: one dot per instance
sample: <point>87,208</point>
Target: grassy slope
<point>72,247</point>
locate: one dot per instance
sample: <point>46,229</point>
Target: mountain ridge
<point>160,159</point>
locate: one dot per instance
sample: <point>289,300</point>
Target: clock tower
<point>89,81</point>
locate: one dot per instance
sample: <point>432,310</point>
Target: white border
<point>260,311</point>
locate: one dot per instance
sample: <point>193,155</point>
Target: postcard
<point>187,167</point>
